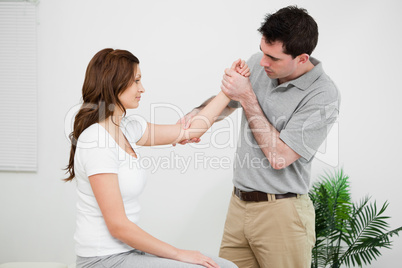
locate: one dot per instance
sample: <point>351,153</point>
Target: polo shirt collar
<point>306,80</point>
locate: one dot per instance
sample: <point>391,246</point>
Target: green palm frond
<point>331,199</point>
<point>367,227</point>
<point>347,233</point>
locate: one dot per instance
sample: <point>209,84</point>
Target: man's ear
<point>303,58</point>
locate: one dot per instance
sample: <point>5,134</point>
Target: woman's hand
<point>241,67</point>
<point>195,257</point>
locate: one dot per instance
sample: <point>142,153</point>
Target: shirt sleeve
<point>309,125</point>
<point>234,104</point>
<point>133,127</point>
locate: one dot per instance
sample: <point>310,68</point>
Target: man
<point>289,104</point>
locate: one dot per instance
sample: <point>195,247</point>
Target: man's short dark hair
<point>292,26</point>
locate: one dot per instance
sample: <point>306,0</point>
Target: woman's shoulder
<point>95,136</point>
<point>91,133</point>
<point>96,142</point>
<point>133,127</point>
<point>96,151</point>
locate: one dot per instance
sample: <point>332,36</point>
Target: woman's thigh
<point>137,258</point>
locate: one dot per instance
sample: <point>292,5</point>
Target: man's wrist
<point>250,100</point>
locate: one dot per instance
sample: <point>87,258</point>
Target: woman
<point>108,183</point>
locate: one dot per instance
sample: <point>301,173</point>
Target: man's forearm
<point>239,88</point>
<point>264,133</point>
<point>275,150</point>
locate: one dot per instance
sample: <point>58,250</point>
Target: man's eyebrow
<point>272,57</point>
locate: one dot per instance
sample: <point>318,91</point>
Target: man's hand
<point>239,67</point>
<point>186,121</point>
<point>236,86</point>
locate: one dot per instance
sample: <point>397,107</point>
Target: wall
<point>184,47</point>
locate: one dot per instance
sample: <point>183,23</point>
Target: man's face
<point>277,65</point>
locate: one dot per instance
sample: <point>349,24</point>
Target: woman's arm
<point>107,193</point>
<point>199,124</point>
<point>168,134</point>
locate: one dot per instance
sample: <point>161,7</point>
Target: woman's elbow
<point>117,230</point>
<point>194,133</point>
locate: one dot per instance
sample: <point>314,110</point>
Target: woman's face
<point>131,97</point>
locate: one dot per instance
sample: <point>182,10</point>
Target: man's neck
<point>305,68</point>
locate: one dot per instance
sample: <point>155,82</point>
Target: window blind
<point>18,86</point>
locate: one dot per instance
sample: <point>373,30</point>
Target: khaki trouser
<point>276,233</point>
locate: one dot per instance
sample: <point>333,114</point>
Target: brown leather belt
<point>257,196</point>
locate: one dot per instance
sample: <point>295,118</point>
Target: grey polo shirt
<point>303,111</point>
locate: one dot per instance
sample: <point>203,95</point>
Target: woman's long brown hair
<point>108,74</point>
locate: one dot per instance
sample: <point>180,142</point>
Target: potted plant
<point>347,233</point>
